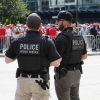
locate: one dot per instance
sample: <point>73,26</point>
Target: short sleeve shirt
<point>52,53</point>
<point>62,42</point>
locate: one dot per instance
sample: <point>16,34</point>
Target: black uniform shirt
<point>62,42</point>
<point>51,53</point>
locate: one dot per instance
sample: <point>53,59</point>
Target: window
<point>72,7</point>
<point>32,4</point>
<point>88,0</point>
<point>69,1</point>
<point>56,8</point>
<point>45,5</point>
<point>62,8</point>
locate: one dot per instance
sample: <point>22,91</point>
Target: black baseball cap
<point>64,15</point>
<point>33,20</point>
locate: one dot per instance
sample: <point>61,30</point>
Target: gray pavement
<point>89,86</point>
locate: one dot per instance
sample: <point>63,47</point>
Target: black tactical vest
<point>73,53</point>
<point>30,54</point>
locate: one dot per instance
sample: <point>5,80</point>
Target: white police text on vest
<point>77,42</point>
<point>27,48</point>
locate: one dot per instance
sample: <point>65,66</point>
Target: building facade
<point>88,10</point>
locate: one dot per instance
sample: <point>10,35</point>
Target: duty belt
<point>24,74</point>
<point>68,69</point>
<point>31,76</point>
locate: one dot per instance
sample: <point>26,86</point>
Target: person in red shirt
<point>41,30</point>
<point>47,29</point>
<point>52,32</point>
<point>2,37</point>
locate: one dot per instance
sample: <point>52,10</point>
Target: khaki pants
<point>28,89</point>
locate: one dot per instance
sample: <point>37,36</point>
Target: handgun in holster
<point>45,77</point>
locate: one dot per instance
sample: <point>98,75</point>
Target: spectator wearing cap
<point>35,54</point>
<point>47,29</point>
<point>71,46</point>
<point>52,32</point>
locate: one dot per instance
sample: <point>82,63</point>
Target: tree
<point>13,10</point>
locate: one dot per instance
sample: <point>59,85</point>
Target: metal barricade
<point>2,43</point>
<point>98,42</point>
<point>90,42</point>
<point>89,39</point>
<point>5,41</point>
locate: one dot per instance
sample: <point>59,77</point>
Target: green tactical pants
<point>67,87</point>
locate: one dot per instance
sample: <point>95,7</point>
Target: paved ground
<point>89,88</point>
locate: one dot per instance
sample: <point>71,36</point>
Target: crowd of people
<point>11,31</point>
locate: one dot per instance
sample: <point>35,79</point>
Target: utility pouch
<point>63,71</point>
<point>46,77</point>
<point>45,74</point>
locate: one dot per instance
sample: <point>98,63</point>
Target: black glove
<point>44,85</point>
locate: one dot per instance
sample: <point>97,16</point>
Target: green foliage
<point>13,10</point>
<point>6,21</point>
<point>18,22</point>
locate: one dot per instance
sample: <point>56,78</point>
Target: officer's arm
<point>84,57</point>
<point>56,63</point>
<point>9,60</point>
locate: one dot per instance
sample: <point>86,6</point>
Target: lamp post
<point>76,12</point>
<point>39,5</point>
<point>82,4</point>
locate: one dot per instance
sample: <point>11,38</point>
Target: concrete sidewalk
<point>89,83</point>
<point>89,87</point>
<point>93,53</point>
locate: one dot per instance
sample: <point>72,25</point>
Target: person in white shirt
<point>84,31</point>
<point>8,36</point>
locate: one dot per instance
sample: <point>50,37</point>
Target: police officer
<point>71,46</point>
<point>34,53</point>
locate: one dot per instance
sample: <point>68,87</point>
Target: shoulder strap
<point>64,33</point>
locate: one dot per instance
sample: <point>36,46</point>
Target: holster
<point>45,74</point>
<point>80,67</point>
<point>62,71</point>
<point>45,77</point>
